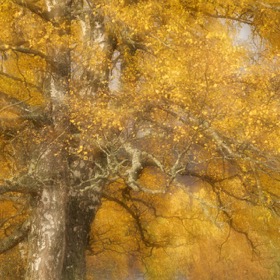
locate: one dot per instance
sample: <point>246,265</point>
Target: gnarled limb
<point>138,161</point>
<point>23,184</point>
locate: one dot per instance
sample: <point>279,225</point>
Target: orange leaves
<point>196,240</point>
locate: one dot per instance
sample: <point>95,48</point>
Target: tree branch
<point>16,237</point>
<point>137,164</point>
<point>137,220</point>
<point>14,102</point>
<point>25,50</point>
<point>33,9</point>
<point>231,223</point>
<point>20,80</point>
<point>274,7</point>
<point>239,19</point>
<point>22,184</point>
<point>25,111</point>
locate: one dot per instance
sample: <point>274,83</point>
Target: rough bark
<point>65,208</point>
<point>47,236</point>
<point>80,213</point>
<point>65,192</point>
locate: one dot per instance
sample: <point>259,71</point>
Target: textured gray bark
<point>47,236</point>
<point>60,234</point>
<point>64,210</point>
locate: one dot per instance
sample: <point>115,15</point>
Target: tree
<point>99,92</point>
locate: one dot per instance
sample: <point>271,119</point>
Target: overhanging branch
<point>137,220</point>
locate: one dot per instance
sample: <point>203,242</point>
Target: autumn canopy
<point>139,139</point>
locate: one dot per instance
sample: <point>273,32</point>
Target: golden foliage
<point>183,71</point>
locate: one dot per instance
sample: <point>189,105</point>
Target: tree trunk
<point>47,237</point>
<point>60,235</point>
<point>80,214</point>
<point>64,210</point>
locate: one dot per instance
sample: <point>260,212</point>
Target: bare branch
<point>137,220</point>
<point>14,102</point>
<point>20,80</point>
<point>25,50</point>
<point>16,237</point>
<point>22,184</point>
<point>231,222</point>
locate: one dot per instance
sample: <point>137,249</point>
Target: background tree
<point>128,99</point>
